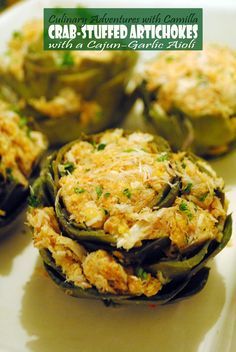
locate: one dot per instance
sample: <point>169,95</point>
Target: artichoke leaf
<point>76,291</point>
<point>194,286</point>
<point>169,196</point>
<point>174,268</point>
<point>75,231</point>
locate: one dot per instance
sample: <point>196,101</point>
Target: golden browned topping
<point>198,83</point>
<point>19,147</point>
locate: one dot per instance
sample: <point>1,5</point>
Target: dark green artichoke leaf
<point>194,286</point>
<point>188,286</point>
<point>175,268</point>
<point>76,231</point>
<point>169,194</point>
<point>150,251</point>
<point>216,247</point>
<point>39,195</point>
<point>78,292</point>
<point>13,201</point>
<point>171,269</point>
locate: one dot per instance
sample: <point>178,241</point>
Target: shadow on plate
<point>224,167</point>
<point>12,244</point>
<point>56,322</point>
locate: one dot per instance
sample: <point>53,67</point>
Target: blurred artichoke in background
<point>6,3</point>
<point>119,217</point>
<point>20,151</point>
<point>66,91</point>
<point>190,98</point>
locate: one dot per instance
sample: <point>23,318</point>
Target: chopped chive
<point>203,197</point>
<point>23,121</point>
<point>188,188</point>
<point>101,146</point>
<point>107,195</point>
<point>184,165</point>
<point>17,34</point>
<point>79,190</point>
<point>9,173</point>
<point>163,157</point>
<point>141,273</point>
<point>99,191</point>
<point>67,60</point>
<point>127,193</point>
<point>184,208</point>
<point>32,199</point>
<point>66,168</point>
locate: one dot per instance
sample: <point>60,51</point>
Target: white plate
<point>36,316</point>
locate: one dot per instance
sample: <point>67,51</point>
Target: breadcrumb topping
<point>116,183</point>
<point>197,83</point>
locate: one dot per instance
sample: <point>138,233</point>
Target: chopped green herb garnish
<point>127,193</point>
<point>203,197</point>
<point>184,165</point>
<point>129,150</point>
<point>184,208</point>
<point>67,59</point>
<point>169,58</point>
<point>67,168</point>
<point>107,195</point>
<point>17,34</point>
<point>99,191</point>
<point>188,188</point>
<point>163,157</point>
<point>101,146</point>
<point>79,190</point>
<point>98,115</point>
<point>28,132</point>
<point>141,273</point>
<point>32,200</point>
<point>93,143</point>
<point>9,173</point>
<point>23,121</point>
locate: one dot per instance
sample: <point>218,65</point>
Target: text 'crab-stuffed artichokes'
<point>190,98</point>
<point>118,216</point>
<point>20,151</point>
<point>84,90</point>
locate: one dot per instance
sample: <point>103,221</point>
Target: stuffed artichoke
<point>119,217</point>
<point>190,98</point>
<point>20,151</point>
<point>84,90</point>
